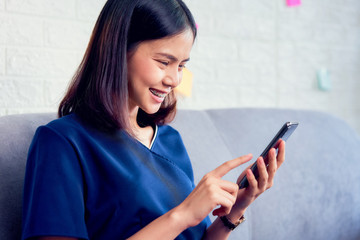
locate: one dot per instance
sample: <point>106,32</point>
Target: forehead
<point>178,45</point>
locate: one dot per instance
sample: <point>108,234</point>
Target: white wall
<point>41,44</point>
<point>249,53</point>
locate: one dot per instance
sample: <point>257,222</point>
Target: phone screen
<point>284,133</point>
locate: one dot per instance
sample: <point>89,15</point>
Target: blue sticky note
<point>324,81</point>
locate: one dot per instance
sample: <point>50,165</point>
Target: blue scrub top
<point>88,184</point>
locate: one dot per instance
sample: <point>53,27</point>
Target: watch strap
<point>227,223</point>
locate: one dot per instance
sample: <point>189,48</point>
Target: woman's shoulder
<point>168,130</point>
<point>70,120</point>
<point>169,141</point>
<point>170,145</point>
<point>169,135</point>
<point>65,126</point>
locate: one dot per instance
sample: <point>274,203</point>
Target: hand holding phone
<point>284,133</point>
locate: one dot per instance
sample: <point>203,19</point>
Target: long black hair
<point>98,92</point>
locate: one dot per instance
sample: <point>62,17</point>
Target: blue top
<point>84,183</point>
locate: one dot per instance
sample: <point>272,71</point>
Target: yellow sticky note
<point>185,86</point>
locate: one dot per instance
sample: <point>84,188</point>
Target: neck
<point>142,134</point>
<point>133,116</point>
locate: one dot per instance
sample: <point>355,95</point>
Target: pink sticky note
<point>293,3</point>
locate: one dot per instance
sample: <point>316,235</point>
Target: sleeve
<point>53,199</point>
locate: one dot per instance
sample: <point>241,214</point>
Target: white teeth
<point>158,94</point>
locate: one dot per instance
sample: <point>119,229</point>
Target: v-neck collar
<point>154,137</point>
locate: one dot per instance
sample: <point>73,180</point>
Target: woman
<point>110,167</point>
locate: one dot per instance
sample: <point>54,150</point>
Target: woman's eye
<point>163,62</point>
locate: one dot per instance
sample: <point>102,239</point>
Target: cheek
<point>150,75</point>
<point>145,72</point>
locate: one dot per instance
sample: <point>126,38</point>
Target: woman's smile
<point>158,93</point>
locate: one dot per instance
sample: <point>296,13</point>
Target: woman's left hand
<point>256,186</point>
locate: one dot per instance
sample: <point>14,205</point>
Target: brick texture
<point>248,54</point>
<point>2,61</point>
<point>51,8</point>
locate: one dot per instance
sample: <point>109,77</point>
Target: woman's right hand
<point>212,191</point>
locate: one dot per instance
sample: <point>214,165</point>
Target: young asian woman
<point>110,167</point>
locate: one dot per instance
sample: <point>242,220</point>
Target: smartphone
<point>284,133</point>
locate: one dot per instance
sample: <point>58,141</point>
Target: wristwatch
<point>227,223</point>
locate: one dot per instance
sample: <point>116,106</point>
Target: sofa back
<point>316,193</point>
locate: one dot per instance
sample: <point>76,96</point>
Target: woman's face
<point>155,69</point>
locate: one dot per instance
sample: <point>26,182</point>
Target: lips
<point>158,93</point>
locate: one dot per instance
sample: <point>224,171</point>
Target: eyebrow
<point>172,58</point>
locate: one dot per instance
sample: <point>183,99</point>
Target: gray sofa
<point>316,193</point>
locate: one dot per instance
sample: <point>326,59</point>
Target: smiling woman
<point>110,167</point>
<point>99,91</point>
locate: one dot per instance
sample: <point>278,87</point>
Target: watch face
<point>241,220</point>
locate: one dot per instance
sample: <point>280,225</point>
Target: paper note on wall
<point>324,81</point>
<point>293,3</point>
<point>185,86</point>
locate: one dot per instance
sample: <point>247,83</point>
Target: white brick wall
<point>264,54</point>
<point>249,53</point>
<point>51,8</point>
<point>2,61</point>
<point>41,45</point>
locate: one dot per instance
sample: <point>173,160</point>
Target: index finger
<point>229,165</point>
<point>281,154</point>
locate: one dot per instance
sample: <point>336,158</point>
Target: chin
<point>152,109</point>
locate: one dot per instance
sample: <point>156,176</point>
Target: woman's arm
<point>211,192</point>
<point>168,226</point>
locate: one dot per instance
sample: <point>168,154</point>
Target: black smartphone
<point>284,133</point>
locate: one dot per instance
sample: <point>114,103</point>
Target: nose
<point>173,77</point>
